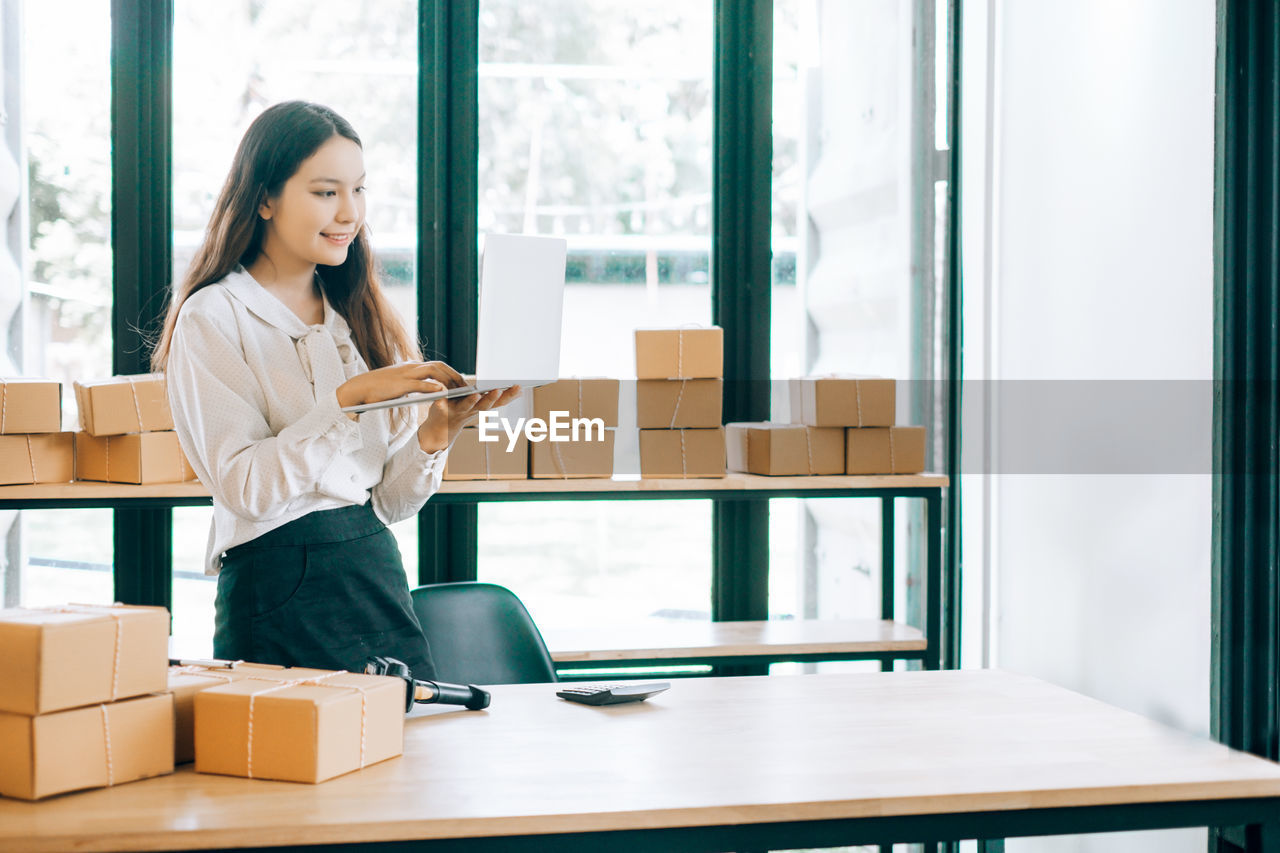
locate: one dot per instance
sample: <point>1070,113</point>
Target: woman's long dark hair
<point>274,146</point>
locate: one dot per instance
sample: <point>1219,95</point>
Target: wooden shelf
<point>86,492</point>
<point>779,639</point>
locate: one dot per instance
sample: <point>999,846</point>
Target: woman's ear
<point>264,208</point>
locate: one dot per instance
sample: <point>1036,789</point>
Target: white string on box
<point>201,671</point>
<point>313,682</point>
<point>675,412</point>
<point>137,408</point>
<point>893,462</point>
<point>115,660</point>
<point>4,403</point>
<point>560,466</point>
<point>684,464</point>
<point>857,392</point>
<point>106,740</point>
<point>115,664</point>
<point>31,460</point>
<point>106,456</point>
<point>808,447</point>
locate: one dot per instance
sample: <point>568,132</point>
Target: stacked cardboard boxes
<point>473,459</point>
<point>298,725</point>
<point>793,450</point>
<point>32,447</point>
<point>679,396</point>
<point>865,408</point>
<point>291,724</point>
<point>585,411</point>
<point>83,701</point>
<point>126,432</point>
<point>188,680</point>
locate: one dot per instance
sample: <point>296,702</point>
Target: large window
<point>595,124</point>
<point>362,65</point>
<point>857,204</point>
<point>65,555</point>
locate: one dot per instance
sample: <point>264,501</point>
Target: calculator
<point>611,694</point>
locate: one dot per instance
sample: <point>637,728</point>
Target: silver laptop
<point>521,311</point>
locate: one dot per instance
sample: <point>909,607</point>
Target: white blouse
<point>252,390</point>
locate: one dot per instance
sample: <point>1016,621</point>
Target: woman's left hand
<point>446,417</point>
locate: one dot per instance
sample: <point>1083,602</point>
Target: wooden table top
<point>708,752</point>
<point>671,639</point>
<point>731,483</point>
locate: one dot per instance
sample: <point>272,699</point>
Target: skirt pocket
<point>277,574</point>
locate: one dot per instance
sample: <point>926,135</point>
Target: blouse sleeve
<point>409,478</point>
<point>218,412</point>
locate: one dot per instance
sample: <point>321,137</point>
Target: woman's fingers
<point>442,372</point>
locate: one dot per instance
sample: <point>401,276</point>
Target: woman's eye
<point>325,193</point>
<point>360,190</point>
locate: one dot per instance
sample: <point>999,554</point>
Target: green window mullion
<point>953,295</point>
<point>142,253</point>
<point>1246,526</point>
<point>448,305</point>
<point>741,190</point>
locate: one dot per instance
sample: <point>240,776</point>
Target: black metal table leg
<point>888,573</point>
<point>1264,837</point>
<point>935,656</point>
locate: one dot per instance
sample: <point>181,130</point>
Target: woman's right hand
<point>387,383</point>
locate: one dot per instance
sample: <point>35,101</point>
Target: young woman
<point>279,324</point>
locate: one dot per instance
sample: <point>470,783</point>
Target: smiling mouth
<point>337,238</point>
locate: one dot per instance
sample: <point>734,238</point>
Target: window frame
<point>142,45</point>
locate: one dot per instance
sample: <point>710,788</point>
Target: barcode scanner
<point>428,692</point>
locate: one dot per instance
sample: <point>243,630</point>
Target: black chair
<point>481,633</point>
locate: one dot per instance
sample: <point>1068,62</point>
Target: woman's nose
<point>348,210</point>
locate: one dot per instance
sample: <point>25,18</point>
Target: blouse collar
<point>269,309</point>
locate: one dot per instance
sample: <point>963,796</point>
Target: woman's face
<point>319,210</point>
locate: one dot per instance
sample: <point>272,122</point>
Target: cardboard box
<point>784,449</point>
<point>680,353</point>
<point>844,401</point>
<point>682,453</point>
<point>299,730</point>
<point>146,457</point>
<point>47,457</point>
<point>90,747</point>
<point>30,405</point>
<point>80,654</point>
<point>679,403</point>
<point>581,398</point>
<point>556,460</point>
<point>885,450</point>
<point>186,681</point>
<point>473,459</point>
<point>123,404</point>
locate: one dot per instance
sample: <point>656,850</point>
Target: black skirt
<point>326,591</point>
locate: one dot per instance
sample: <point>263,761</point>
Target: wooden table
<point>712,764</point>
<point>576,651</point>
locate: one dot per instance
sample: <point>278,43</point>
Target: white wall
<point>1100,268</point>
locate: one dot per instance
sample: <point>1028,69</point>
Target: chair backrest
<point>481,633</point>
